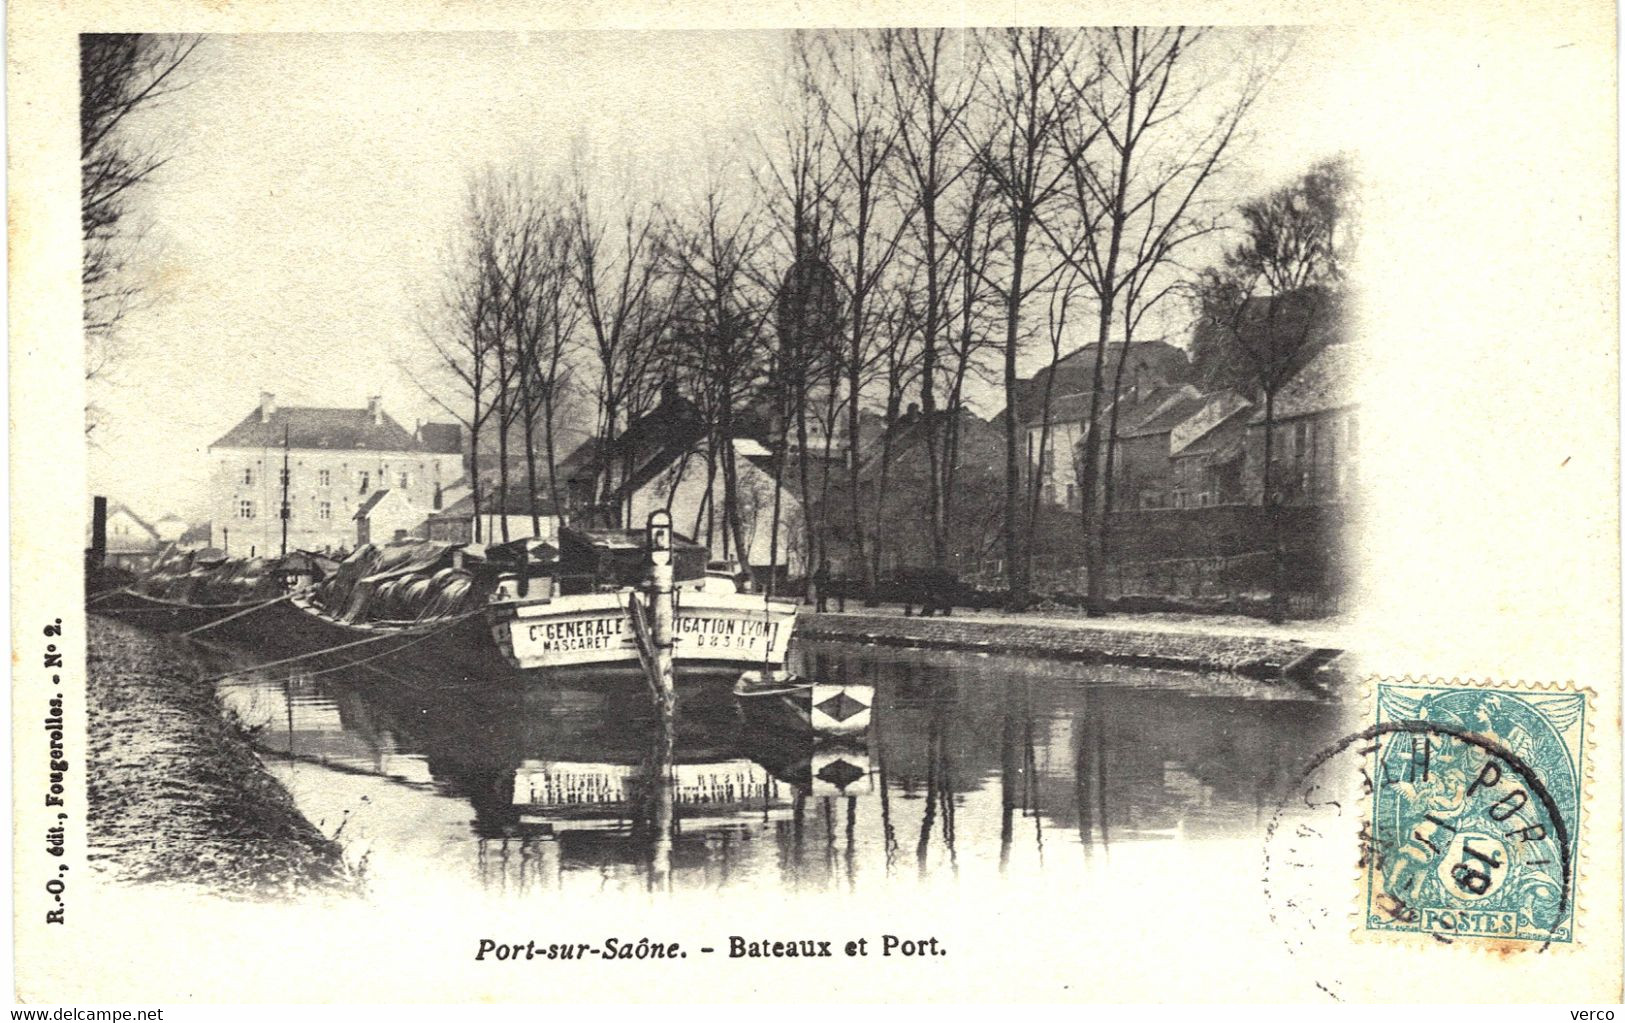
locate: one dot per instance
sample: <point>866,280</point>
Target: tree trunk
<point>474,473</point>
<point>1272,515</point>
<point>1111,454</point>
<point>530,469</point>
<point>502,467</point>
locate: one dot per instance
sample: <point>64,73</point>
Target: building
<point>501,516</point>
<point>386,516</point>
<point>894,487</point>
<point>1208,452</point>
<point>664,459</point>
<point>170,528</point>
<point>1177,447</point>
<point>681,480</point>
<point>1151,365</point>
<point>132,542</point>
<point>1144,416</point>
<point>337,459</point>
<point>1316,445</point>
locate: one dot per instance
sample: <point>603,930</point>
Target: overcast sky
<point>297,230</point>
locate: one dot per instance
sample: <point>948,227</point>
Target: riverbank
<point>1199,643</point>
<point>177,794</point>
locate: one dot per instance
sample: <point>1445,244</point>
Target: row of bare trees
<point>933,210</point>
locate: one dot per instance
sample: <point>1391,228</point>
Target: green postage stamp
<point>1475,811</point>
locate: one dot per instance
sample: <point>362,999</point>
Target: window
<point>1302,443</point>
<point>324,478</point>
<point>365,479</point>
<point>406,481</point>
<point>248,476</point>
<point>245,509</point>
<point>324,510</point>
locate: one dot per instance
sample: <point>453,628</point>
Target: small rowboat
<point>784,701</point>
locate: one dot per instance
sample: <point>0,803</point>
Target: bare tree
<point>802,190</point>
<point>1276,295</point>
<point>1154,125</point>
<point>931,77</point>
<point>718,333</point>
<point>625,308</point>
<point>867,232</point>
<point>1018,146</point>
<point>119,75</point>
<point>461,332</point>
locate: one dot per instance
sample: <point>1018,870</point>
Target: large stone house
<point>337,460</point>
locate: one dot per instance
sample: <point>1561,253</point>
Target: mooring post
<point>661,610</point>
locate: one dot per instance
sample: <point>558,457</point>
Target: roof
<point>1223,442</point>
<point>328,428</point>
<point>129,544</point>
<point>909,430</point>
<point>197,534</point>
<point>441,438</point>
<point>1217,409</point>
<point>370,503</point>
<point>1166,414</point>
<point>1324,385</point>
<point>114,507</point>
<point>512,502</point>
<point>1074,372</point>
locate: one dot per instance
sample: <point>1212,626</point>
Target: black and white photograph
<point>939,498</point>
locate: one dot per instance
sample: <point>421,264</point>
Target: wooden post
<point>662,611</point>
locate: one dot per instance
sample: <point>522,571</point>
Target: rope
<point>98,598</point>
<point>344,646</point>
<point>387,653</point>
<point>257,607</point>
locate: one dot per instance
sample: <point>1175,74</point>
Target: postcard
<point>691,502</point>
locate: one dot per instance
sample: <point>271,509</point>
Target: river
<point>970,765</point>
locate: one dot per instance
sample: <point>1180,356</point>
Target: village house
<point>502,517</point>
<point>1315,449</point>
<point>893,480</point>
<point>386,516</point>
<point>1208,452</point>
<point>664,460</point>
<point>1139,462</point>
<point>132,542</point>
<point>170,528</point>
<point>337,460</point>
<point>1151,365</point>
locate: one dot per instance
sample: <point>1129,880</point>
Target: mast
<point>284,490</point>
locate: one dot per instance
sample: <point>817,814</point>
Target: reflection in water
<point>973,761</point>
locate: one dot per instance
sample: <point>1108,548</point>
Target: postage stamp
<point>1475,811</point>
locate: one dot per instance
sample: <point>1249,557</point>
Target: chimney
<point>98,532</point>
<point>668,393</point>
<point>375,409</point>
<point>267,406</point>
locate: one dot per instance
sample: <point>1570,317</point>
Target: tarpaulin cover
<point>410,581</point>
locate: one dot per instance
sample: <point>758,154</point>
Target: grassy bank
<point>176,793</point>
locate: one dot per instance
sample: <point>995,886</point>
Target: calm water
<point>969,764</point>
